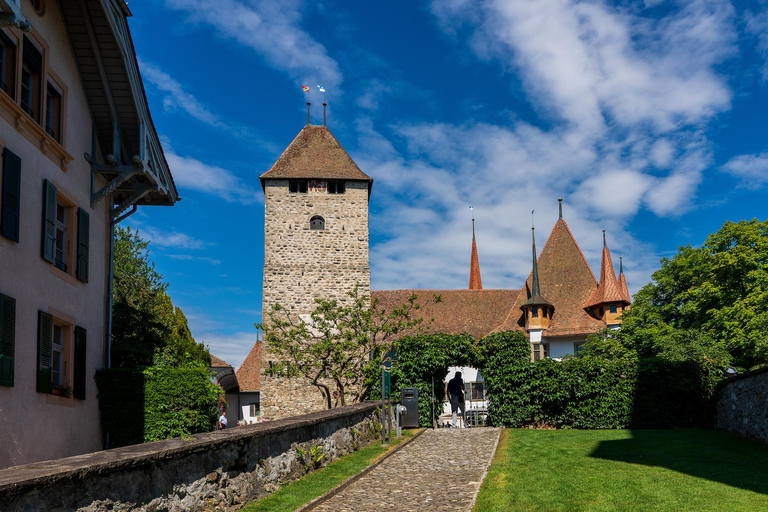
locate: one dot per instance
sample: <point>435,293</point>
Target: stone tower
<point>315,244</point>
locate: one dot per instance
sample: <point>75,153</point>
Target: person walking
<point>456,394</point>
<point>223,420</point>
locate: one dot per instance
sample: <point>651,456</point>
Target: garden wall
<point>221,470</point>
<point>743,405</point>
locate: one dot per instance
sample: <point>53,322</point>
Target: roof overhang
<point>134,166</point>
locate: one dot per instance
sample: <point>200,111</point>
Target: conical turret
<point>608,300</point>
<point>538,310</point>
<point>475,282</point>
<point>623,282</point>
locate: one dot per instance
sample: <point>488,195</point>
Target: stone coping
<point>745,375</point>
<point>24,478</point>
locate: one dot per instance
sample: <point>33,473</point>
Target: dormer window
<point>297,187</point>
<point>317,223</point>
<point>336,187</point>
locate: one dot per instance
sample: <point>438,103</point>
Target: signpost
<point>386,430</point>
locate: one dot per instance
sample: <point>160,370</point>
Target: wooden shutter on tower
<point>44,348</point>
<point>49,221</point>
<point>7,339</point>
<point>11,202</point>
<point>79,371</point>
<point>83,228</point>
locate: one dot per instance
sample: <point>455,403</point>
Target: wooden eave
<point>119,94</point>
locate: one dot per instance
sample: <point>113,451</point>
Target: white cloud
<point>189,257</point>
<point>757,25</point>
<point>170,239</point>
<point>751,169</point>
<point>273,29</point>
<point>194,174</point>
<point>232,348</point>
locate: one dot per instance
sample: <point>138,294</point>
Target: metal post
<point>383,410</point>
<point>432,408</point>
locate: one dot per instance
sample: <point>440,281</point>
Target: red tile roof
<point>566,281</point>
<point>248,375</point>
<point>609,289</point>
<point>624,289</point>
<point>476,312</point>
<point>315,153</point>
<point>216,362</point>
<point>475,282</point>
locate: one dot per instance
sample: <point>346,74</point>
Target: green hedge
<point>594,392</point>
<point>156,403</point>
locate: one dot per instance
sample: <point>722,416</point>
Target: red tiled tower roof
<point>475,282</point>
<point>315,153</point>
<point>623,283</point>
<point>608,290</point>
<point>535,298</point>
<point>569,283</point>
<point>248,375</point>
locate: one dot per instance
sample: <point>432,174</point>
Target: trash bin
<point>410,399</point>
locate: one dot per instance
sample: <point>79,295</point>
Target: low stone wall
<point>743,405</point>
<point>219,471</point>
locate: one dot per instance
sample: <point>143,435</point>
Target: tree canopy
<point>711,300</point>
<point>147,329</point>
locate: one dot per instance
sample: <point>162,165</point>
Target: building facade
<point>69,87</point>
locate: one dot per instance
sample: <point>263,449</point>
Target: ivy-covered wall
<point>139,406</point>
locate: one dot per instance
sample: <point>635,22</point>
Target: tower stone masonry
<point>315,245</point>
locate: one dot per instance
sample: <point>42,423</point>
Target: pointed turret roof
<point>315,153</point>
<point>568,281</point>
<point>623,282</point>
<point>535,299</point>
<point>475,282</point>
<point>608,290</point>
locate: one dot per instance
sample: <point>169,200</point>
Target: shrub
<point>156,403</point>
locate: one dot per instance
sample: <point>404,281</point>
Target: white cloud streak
<point>272,28</point>
<point>751,169</point>
<point>171,239</point>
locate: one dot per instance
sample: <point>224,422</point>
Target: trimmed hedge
<point>139,406</point>
<point>594,392</point>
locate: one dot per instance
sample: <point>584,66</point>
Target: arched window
<point>317,223</point>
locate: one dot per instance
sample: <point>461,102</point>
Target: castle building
<point>69,86</point>
<point>316,246</point>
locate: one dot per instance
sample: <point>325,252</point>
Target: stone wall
<point>743,405</point>
<point>220,471</point>
<point>301,265</point>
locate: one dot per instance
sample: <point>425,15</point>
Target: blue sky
<point>648,118</point>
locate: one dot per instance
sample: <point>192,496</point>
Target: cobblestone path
<point>440,471</point>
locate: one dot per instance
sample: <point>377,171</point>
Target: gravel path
<point>439,471</point>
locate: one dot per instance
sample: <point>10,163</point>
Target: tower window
<point>613,309</point>
<point>535,312</point>
<point>336,187</point>
<point>602,311</point>
<point>317,223</point>
<point>298,187</point>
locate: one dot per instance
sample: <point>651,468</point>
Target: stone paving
<point>440,471</point>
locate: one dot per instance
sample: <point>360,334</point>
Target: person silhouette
<point>456,395</point>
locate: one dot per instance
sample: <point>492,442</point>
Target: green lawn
<point>631,470</point>
<point>297,493</point>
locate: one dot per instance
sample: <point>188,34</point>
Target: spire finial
<point>604,243</point>
<point>621,264</point>
<point>308,105</point>
<point>473,227</point>
<point>324,105</point>
<point>560,206</point>
<point>535,289</point>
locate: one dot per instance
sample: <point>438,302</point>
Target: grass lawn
<point>625,470</point>
<point>297,493</point>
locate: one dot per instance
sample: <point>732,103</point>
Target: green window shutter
<point>49,221</point>
<point>44,348</point>
<point>83,235</point>
<point>79,370</point>
<point>11,202</point>
<point>7,338</point>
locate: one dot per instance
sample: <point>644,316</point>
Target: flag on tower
<point>305,88</point>
<point>322,89</point>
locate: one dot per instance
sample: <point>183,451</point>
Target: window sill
<point>62,275</point>
<point>35,133</point>
<point>60,400</point>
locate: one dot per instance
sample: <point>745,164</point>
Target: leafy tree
<point>711,300</point>
<point>337,345</point>
<point>147,329</point>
